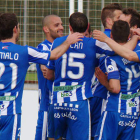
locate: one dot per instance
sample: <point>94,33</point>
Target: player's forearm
<point>131,44</point>
<point>121,50</point>
<point>60,50</point>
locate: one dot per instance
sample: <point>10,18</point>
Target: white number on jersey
<point>14,74</point>
<point>71,63</point>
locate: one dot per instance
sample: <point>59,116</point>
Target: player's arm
<point>119,49</point>
<point>47,73</point>
<point>113,85</point>
<point>61,49</point>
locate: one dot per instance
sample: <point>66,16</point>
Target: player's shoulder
<point>61,38</point>
<point>45,45</point>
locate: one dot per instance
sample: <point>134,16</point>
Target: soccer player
<point>14,62</point>
<point>109,15</point>
<point>52,27</point>
<point>72,84</point>
<point>119,119</point>
<point>132,17</point>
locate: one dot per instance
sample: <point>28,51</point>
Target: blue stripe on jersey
<point>127,100</point>
<point>43,82</point>
<point>14,62</point>
<point>75,67</point>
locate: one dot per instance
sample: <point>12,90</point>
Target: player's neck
<point>50,39</point>
<point>9,40</point>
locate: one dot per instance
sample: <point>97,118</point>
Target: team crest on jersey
<point>5,47</point>
<point>110,68</point>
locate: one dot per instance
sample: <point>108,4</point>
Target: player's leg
<point>51,131</point>
<point>78,121</point>
<point>42,126</point>
<point>130,123</point>
<point>59,120</point>
<point>107,127</point>
<point>10,127</point>
<point>96,108</point>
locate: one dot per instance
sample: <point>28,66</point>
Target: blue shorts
<point>75,117</point>
<point>10,126</point>
<point>116,126</point>
<point>51,132</point>
<point>137,131</point>
<point>42,126</point>
<point>96,109</point>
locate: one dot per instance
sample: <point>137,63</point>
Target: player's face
<point>56,27</point>
<point>125,18</point>
<point>117,14</point>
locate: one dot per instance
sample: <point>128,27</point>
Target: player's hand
<point>44,70</point>
<point>102,77</point>
<point>136,31</point>
<point>99,35</point>
<point>75,37</point>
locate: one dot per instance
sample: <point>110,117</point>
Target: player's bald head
<point>47,20</point>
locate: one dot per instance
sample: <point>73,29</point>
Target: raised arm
<point>60,50</point>
<point>124,51</point>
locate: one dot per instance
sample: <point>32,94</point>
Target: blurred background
<point>31,12</point>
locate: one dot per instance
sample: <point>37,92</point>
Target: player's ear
<point>45,29</point>
<point>15,29</point>
<point>70,28</point>
<point>109,21</point>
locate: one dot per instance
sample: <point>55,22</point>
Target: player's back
<point>128,98</point>
<point>14,62</point>
<point>74,70</point>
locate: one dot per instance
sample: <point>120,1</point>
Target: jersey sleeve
<point>38,56</point>
<point>138,53</point>
<point>56,43</point>
<point>111,68</point>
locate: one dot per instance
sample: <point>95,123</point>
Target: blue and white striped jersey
<point>74,70</point>
<point>127,101</point>
<point>14,62</point>
<point>42,82</point>
<point>98,89</point>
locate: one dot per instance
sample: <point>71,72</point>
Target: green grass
<point>31,76</point>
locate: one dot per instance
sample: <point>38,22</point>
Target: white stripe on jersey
<point>74,96</point>
<point>89,119</point>
<point>98,55</point>
<point>102,125</point>
<point>45,47</point>
<point>103,105</point>
<point>59,98</point>
<point>14,127</point>
<point>35,53</point>
<point>14,104</point>
<point>119,102</point>
<point>138,102</point>
<point>45,125</point>
<point>128,108</point>
<point>83,91</point>
<point>6,104</point>
<point>103,45</point>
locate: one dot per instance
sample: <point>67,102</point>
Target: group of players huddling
<point>88,86</point>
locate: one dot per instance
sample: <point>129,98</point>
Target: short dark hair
<point>7,23</point>
<point>108,11</point>
<point>78,22</point>
<point>120,31</point>
<point>135,16</point>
